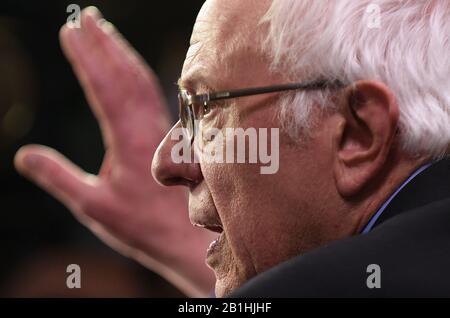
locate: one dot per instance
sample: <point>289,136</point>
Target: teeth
<point>213,243</point>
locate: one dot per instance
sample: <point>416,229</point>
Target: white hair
<point>340,39</point>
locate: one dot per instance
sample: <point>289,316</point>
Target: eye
<point>206,108</point>
<point>210,109</point>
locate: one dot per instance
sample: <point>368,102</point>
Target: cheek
<point>245,201</point>
<point>264,216</point>
<point>250,211</point>
<point>232,206</point>
<point>257,211</point>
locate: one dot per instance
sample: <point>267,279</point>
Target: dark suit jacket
<point>410,242</point>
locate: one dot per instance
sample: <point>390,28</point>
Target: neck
<point>397,171</point>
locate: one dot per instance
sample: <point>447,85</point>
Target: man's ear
<point>365,135</point>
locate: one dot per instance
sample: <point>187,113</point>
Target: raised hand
<point>123,205</point>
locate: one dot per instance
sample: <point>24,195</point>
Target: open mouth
<point>213,251</point>
<point>214,245</point>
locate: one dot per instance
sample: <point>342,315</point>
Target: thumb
<point>57,175</point>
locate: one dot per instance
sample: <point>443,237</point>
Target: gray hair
<point>404,44</point>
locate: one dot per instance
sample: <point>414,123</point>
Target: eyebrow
<point>195,82</point>
<point>182,83</point>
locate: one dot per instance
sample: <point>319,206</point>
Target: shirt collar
<point>380,211</point>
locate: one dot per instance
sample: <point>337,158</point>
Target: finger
<point>55,174</point>
<point>118,85</point>
<point>126,60</point>
<point>80,50</point>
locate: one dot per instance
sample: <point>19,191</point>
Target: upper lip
<point>202,210</point>
<point>208,220</point>
<point>209,226</point>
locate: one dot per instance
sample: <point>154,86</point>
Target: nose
<point>170,173</point>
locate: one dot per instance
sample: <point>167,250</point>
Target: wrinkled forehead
<point>225,34</point>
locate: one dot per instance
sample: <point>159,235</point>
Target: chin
<point>225,286</point>
<point>222,289</point>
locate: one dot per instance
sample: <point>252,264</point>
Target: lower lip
<point>214,249</point>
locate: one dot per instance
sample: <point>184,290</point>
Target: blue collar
<point>375,217</point>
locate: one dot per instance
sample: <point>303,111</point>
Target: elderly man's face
<point>262,219</point>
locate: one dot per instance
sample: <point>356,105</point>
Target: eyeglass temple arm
<point>316,85</point>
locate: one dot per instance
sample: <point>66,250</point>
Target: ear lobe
<point>365,136</point>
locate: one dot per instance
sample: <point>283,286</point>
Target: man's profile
<point>364,120</point>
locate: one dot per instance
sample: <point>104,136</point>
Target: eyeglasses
<point>192,107</point>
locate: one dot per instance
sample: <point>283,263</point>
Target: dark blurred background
<point>42,102</point>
